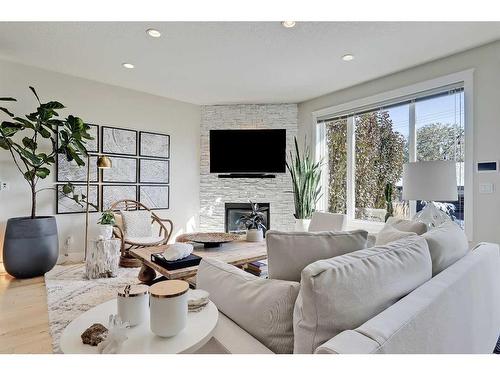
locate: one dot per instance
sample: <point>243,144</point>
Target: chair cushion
<point>327,221</point>
<point>407,225</point>
<point>389,234</point>
<point>343,292</point>
<point>447,244</point>
<point>263,308</point>
<point>143,240</point>
<point>137,223</point>
<point>289,252</point>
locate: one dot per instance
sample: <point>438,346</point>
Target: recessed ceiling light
<point>154,33</point>
<point>288,24</point>
<point>128,65</point>
<point>348,57</point>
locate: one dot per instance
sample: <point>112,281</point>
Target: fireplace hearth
<point>235,210</point>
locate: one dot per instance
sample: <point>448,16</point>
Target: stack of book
<point>257,268</point>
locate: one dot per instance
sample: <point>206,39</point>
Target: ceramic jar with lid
<point>168,307</point>
<point>133,304</point>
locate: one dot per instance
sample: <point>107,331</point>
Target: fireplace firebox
<point>236,210</point>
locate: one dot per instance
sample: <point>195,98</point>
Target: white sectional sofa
<point>417,294</point>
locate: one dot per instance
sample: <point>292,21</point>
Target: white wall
<point>104,105</point>
<point>215,192</point>
<point>485,61</point>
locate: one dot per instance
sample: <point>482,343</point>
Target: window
<point>365,149</point>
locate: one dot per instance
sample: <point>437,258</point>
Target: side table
<point>102,258</point>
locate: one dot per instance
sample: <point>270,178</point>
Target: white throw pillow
<point>289,252</point>
<point>447,244</point>
<point>389,234</point>
<point>263,308</point>
<point>177,251</point>
<point>407,225</point>
<point>344,292</point>
<point>137,223</point>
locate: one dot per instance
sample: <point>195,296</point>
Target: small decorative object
<point>177,251</point>
<point>197,299</point>
<point>118,141</point>
<point>133,303</point>
<point>253,222</point>
<point>34,141</point>
<point>117,335</point>
<point>191,260</point>
<point>214,239</point>
<point>388,201</point>
<point>168,307</point>
<point>432,181</point>
<point>94,334</point>
<point>306,178</point>
<point>102,259</point>
<point>106,222</point>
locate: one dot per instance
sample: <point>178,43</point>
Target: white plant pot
<point>255,235</point>
<point>106,231</point>
<point>302,225</point>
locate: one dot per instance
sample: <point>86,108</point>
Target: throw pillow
<point>137,223</point>
<point>447,244</point>
<point>389,234</point>
<point>289,252</point>
<point>407,225</point>
<point>344,292</point>
<point>263,308</point>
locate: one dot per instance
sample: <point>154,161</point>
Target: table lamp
<point>431,181</point>
<point>103,162</point>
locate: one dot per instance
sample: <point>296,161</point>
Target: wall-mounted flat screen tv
<point>248,151</point>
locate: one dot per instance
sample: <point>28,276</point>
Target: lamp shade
<point>104,162</point>
<point>430,181</point>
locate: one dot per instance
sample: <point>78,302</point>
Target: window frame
<point>319,145</point>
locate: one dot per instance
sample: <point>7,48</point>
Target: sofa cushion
<point>137,223</point>
<point>263,308</point>
<point>343,292</point>
<point>289,252</point>
<point>389,234</point>
<point>407,225</point>
<point>447,244</point>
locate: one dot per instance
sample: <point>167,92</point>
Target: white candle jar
<point>133,304</point>
<point>168,307</point>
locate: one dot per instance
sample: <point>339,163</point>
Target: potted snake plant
<point>34,141</point>
<point>306,178</point>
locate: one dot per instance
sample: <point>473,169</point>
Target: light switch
<point>486,188</point>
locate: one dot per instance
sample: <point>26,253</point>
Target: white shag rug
<point>70,293</point>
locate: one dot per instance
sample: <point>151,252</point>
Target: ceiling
<point>236,62</point>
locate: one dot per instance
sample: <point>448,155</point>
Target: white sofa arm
<point>348,342</point>
<point>263,308</point>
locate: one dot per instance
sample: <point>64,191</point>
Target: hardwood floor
<point>24,323</point>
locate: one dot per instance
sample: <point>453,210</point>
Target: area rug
<point>70,293</point>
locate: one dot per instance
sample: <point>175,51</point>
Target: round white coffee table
<point>199,329</point>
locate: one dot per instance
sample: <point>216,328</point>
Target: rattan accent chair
<point>165,231</point>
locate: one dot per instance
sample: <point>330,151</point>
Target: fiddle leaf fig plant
<point>35,140</point>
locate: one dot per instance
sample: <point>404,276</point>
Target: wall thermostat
<point>487,166</point>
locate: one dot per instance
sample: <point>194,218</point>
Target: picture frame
<point>113,193</point>
<point>154,171</point>
<point>124,170</point>
<point>70,172</point>
<point>155,196</point>
<point>155,145</point>
<point>118,141</point>
<point>66,205</point>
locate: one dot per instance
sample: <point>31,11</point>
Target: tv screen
<point>248,151</point>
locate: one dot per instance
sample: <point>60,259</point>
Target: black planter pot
<point>31,246</point>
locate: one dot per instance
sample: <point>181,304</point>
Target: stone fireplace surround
<point>216,192</point>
